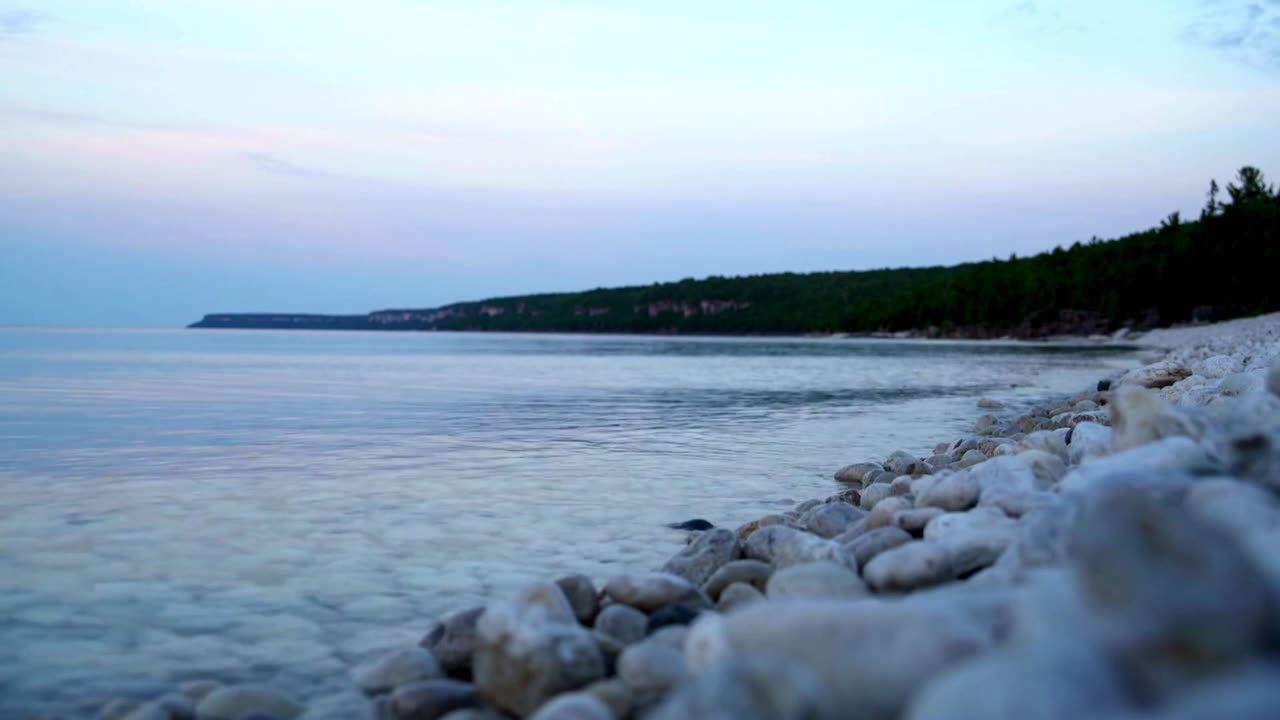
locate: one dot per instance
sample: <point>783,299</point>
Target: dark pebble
<point>677,614</point>
<point>695,524</point>
<point>1104,385</point>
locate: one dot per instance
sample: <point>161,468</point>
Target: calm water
<point>186,504</point>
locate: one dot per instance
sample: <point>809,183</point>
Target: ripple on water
<point>278,507</point>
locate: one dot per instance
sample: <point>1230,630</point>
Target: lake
<point>279,505</point>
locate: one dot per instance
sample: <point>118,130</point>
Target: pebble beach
<point>1114,554</point>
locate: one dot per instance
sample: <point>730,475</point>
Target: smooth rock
<point>1009,471</point>
<point>173,706</point>
<point>1233,507</point>
<point>616,695</point>
<point>744,531</point>
<point>650,591</point>
<point>1153,578</point>
<point>1255,456</point>
<point>751,572</point>
<point>856,472</point>
<point>865,657</point>
<point>783,547</point>
<point>1156,375</point>
<point>990,404</point>
<point>973,539</point>
<point>873,494</point>
<point>1139,417</point>
<point>939,461</point>
<point>452,639</point>
<point>987,425</point>
<point>874,477</point>
<point>1177,391</point>
<point>1047,467</point>
<point>913,520</point>
<point>1142,463</point>
<point>706,643</point>
<point>623,623</point>
<point>904,463</point>
<point>672,635</point>
<point>483,713</point>
<point>753,687</point>
<point>582,596</point>
<point>901,485</point>
<point>873,542</point>
<point>1050,441</point>
<point>961,446</point>
<point>990,446</point>
<point>575,706</point>
<point>698,561</point>
<point>675,614</point>
<point>347,704</point>
<point>1016,503</point>
<point>651,666</point>
<point>117,709</point>
<point>1088,440</point>
<point>1251,693</point>
<point>818,579</point>
<point>738,595</point>
<point>153,711</point>
<point>953,493</point>
<point>236,701</point>
<point>431,699</point>
<point>1062,680</point>
<point>395,669</point>
<point>808,505</point>
<point>971,458</point>
<point>1217,366</point>
<point>197,689</point>
<point>530,648</point>
<point>913,565</point>
<point>830,519</point>
<point>882,514</point>
<point>1241,383</point>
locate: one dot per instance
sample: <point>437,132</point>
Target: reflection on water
<point>186,504</point>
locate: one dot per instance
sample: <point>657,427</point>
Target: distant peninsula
<point>1221,265</point>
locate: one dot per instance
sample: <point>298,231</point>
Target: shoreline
<point>960,558</point>
<point>1133,341</point>
<point>905,335</point>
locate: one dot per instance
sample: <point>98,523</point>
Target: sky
<point>161,159</point>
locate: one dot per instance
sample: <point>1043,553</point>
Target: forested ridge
<point>1222,264</point>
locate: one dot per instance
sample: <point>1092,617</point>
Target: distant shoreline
<point>1109,341</point>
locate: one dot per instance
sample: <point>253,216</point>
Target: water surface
<point>279,505</point>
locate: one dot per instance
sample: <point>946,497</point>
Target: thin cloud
<point>1244,32</point>
<point>275,165</point>
<point>20,21</point>
<point>446,131</point>
<point>1038,17</point>
<point>15,111</point>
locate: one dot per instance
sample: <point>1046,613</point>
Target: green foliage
<point>1224,264</point>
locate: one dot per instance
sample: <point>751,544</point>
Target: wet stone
<point>582,597</point>
<point>752,572</point>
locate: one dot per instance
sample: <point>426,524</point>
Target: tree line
<point>1221,264</point>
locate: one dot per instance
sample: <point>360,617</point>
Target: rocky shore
<point>1114,555</point>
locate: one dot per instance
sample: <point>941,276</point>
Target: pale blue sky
<point>160,159</point>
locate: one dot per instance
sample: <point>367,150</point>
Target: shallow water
<point>277,506</point>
